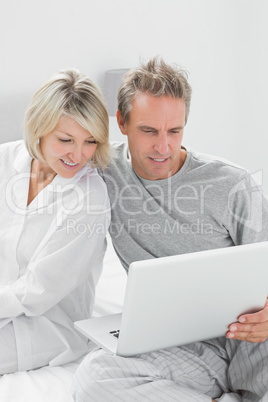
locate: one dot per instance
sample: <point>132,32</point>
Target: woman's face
<point>68,147</point>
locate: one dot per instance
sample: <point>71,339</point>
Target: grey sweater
<point>207,204</point>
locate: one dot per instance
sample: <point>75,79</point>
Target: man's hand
<point>251,327</point>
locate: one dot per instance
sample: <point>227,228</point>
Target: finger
<point>266,302</point>
<point>249,328</point>
<point>260,316</point>
<point>247,339</point>
<point>248,336</point>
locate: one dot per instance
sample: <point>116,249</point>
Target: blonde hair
<point>156,78</point>
<point>73,94</point>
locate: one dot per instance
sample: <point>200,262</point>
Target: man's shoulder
<point>215,165</point>
<point>210,158</point>
<point>119,149</point>
<point>120,159</point>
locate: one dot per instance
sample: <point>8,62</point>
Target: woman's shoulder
<point>92,184</point>
<point>9,151</point>
<point>12,146</point>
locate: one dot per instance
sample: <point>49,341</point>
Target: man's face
<point>155,131</point>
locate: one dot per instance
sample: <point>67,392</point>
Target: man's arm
<point>248,209</point>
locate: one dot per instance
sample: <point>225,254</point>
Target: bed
<point>54,384</point>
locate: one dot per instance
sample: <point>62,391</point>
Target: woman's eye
<point>69,140</point>
<point>63,140</point>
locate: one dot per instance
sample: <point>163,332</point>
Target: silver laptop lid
<point>180,299</point>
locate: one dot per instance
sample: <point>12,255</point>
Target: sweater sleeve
<point>247,212</point>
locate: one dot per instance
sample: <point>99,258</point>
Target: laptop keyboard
<point>115,333</point>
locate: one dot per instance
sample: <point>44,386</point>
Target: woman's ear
<point>121,124</point>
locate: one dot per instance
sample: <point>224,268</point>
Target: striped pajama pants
<point>222,369</point>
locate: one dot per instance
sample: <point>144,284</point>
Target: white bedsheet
<point>54,384</point>
<point>47,384</point>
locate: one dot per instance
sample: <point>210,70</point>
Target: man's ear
<point>121,123</point>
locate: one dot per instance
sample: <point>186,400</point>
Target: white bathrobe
<point>51,256</point>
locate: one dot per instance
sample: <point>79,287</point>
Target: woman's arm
<point>69,255</point>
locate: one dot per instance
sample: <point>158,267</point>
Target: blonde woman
<point>54,217</point>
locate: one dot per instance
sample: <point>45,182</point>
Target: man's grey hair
<point>156,78</point>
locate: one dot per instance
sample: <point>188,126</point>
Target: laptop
<point>176,300</point>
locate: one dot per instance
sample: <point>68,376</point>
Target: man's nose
<point>161,145</point>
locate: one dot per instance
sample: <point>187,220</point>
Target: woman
<point>54,217</point>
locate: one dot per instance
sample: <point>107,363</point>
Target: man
<point>168,200</point>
